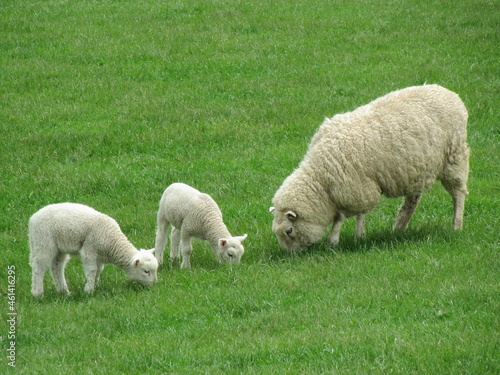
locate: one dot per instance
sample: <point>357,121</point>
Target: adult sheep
<point>60,230</point>
<point>397,145</point>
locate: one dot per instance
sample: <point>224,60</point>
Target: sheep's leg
<point>92,270</point>
<point>38,272</point>
<point>90,276</point>
<point>99,269</point>
<point>454,180</point>
<point>360,226</point>
<point>405,212</point>
<point>57,268</point>
<point>458,190</point>
<point>187,248</point>
<point>458,208</point>
<point>175,240</point>
<point>333,238</point>
<point>42,255</point>
<point>161,239</point>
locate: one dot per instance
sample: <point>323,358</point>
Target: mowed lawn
<point>108,102</point>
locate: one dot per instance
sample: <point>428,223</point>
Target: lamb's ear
<point>222,242</point>
<point>137,261</point>
<point>241,238</point>
<point>151,251</point>
<point>271,210</point>
<point>291,215</point>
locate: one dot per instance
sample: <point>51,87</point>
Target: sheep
<point>193,214</point>
<point>59,230</point>
<point>397,145</point>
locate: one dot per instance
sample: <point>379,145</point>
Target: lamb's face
<point>230,250</point>
<point>144,268</point>
<point>293,232</point>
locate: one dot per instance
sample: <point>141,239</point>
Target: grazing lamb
<point>193,214</point>
<point>60,230</point>
<point>397,145</point>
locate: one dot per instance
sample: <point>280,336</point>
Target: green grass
<point>106,103</point>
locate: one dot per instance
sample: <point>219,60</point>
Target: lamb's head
<point>293,231</point>
<point>144,268</point>
<point>230,249</point>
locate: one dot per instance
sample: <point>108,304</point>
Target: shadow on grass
<point>379,240</point>
<point>51,296</point>
<point>388,240</point>
<point>104,291</point>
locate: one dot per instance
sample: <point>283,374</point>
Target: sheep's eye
<point>289,231</point>
<point>147,272</point>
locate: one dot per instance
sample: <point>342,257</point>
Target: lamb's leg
<point>360,226</point>
<point>42,255</point>
<point>92,269</point>
<point>39,267</point>
<point>405,212</point>
<point>161,239</point>
<point>90,276</point>
<point>175,241</point>
<point>57,269</point>
<point>99,269</point>
<point>333,238</point>
<point>186,250</point>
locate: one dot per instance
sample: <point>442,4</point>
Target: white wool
<point>60,230</point>
<point>193,214</point>
<point>397,145</point>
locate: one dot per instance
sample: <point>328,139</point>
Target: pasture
<point>108,102</point>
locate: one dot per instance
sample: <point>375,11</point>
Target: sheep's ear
<point>292,216</point>
<point>136,262</point>
<point>151,251</point>
<point>271,210</point>
<point>241,238</point>
<point>222,242</point>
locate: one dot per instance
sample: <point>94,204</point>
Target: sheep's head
<point>294,232</point>
<point>144,268</point>
<point>230,249</point>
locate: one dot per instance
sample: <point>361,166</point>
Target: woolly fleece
<point>397,145</point>
<point>60,230</point>
<point>194,214</point>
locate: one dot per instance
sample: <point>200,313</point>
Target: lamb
<point>397,145</point>
<point>60,230</point>
<point>193,214</point>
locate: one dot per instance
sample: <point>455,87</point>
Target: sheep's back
<point>67,225</point>
<point>401,142</point>
<point>185,206</point>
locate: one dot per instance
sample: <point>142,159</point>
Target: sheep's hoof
<point>89,290</point>
<point>333,243</point>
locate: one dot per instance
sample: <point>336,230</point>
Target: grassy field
<point>108,102</point>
